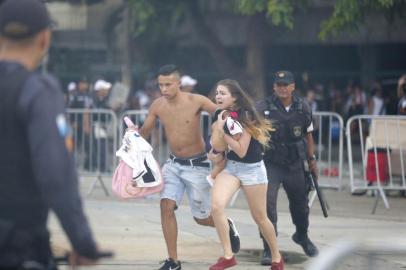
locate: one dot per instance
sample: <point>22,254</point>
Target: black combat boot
<point>303,240</point>
<point>266,255</point>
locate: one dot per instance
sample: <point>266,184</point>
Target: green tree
<point>350,14</point>
<point>163,17</point>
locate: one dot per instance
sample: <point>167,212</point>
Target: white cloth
<point>135,151</point>
<point>233,126</point>
<point>378,106</point>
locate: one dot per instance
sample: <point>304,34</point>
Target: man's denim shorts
<point>247,173</point>
<point>192,179</point>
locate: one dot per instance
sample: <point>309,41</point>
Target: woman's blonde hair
<point>259,127</point>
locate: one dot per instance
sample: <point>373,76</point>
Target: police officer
<point>291,145</point>
<point>36,166</point>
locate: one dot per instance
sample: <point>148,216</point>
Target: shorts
<point>192,179</point>
<point>248,173</point>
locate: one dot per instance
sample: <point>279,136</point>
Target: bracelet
<point>313,157</point>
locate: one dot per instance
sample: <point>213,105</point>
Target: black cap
<point>284,77</point>
<point>21,19</point>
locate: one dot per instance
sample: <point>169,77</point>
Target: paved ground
<point>132,229</point>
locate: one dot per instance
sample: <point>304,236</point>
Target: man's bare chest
<point>179,116</point>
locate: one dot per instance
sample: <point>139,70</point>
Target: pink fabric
<point>122,185</point>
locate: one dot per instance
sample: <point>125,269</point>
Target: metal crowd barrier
<point>328,136</point>
<point>94,135</point>
<point>371,251</point>
<point>97,136</point>
<point>328,139</point>
<point>377,145</point>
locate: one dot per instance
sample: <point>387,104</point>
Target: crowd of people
<point>353,99</point>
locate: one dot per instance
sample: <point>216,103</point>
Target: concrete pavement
<point>132,230</point>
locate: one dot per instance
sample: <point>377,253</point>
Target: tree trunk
<point>210,40</point>
<point>255,52</point>
<point>127,63</point>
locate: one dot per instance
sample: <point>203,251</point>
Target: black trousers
<point>293,180</point>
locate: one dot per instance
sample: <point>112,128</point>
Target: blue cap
<point>284,77</point>
<point>20,19</point>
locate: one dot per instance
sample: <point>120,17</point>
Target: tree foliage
<point>78,2</point>
<point>349,14</point>
<point>280,13</point>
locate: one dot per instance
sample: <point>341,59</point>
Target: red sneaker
<point>278,265</point>
<point>224,263</point>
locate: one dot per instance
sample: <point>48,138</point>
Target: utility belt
<point>193,162</point>
<point>286,153</point>
<point>26,248</point>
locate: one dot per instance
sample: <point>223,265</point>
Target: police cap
<point>20,19</point>
<point>284,77</point>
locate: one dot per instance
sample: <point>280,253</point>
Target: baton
<point>315,184</point>
<point>319,194</point>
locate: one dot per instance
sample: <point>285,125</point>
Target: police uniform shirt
<point>41,109</point>
<point>310,128</point>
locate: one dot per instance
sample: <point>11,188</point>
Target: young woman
<point>244,168</point>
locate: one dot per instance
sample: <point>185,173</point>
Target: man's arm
<point>150,120</point>
<point>206,104</point>
<point>42,111</point>
<point>310,152</point>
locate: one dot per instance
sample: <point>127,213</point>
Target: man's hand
<point>77,260</point>
<point>74,259</point>
<point>134,128</point>
<point>313,168</point>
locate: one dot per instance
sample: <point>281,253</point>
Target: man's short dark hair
<point>168,70</point>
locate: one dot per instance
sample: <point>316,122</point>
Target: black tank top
<point>254,154</point>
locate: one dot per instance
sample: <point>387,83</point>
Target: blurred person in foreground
<point>291,146</point>
<point>37,173</point>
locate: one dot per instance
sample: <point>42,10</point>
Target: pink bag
<point>122,183</point>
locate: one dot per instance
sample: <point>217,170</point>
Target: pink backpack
<point>122,183</point>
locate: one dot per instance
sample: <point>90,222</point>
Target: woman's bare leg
<point>256,197</point>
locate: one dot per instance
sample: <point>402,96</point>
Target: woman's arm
<point>240,147</point>
<point>238,143</point>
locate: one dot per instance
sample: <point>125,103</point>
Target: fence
<point>328,136</point>
<point>94,135</point>
<point>377,145</point>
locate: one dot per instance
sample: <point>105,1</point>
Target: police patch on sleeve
<point>62,125</point>
<point>64,131</point>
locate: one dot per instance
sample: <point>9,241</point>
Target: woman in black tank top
<point>244,169</point>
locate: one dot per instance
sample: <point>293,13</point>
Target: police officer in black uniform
<point>291,145</point>
<point>36,167</point>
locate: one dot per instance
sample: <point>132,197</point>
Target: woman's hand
<point>221,121</point>
<point>215,158</point>
<point>211,156</point>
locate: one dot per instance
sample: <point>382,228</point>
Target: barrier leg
<point>381,194</point>
<point>100,180</point>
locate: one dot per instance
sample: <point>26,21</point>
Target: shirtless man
<point>187,166</point>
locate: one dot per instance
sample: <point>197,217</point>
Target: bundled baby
<point>217,142</point>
